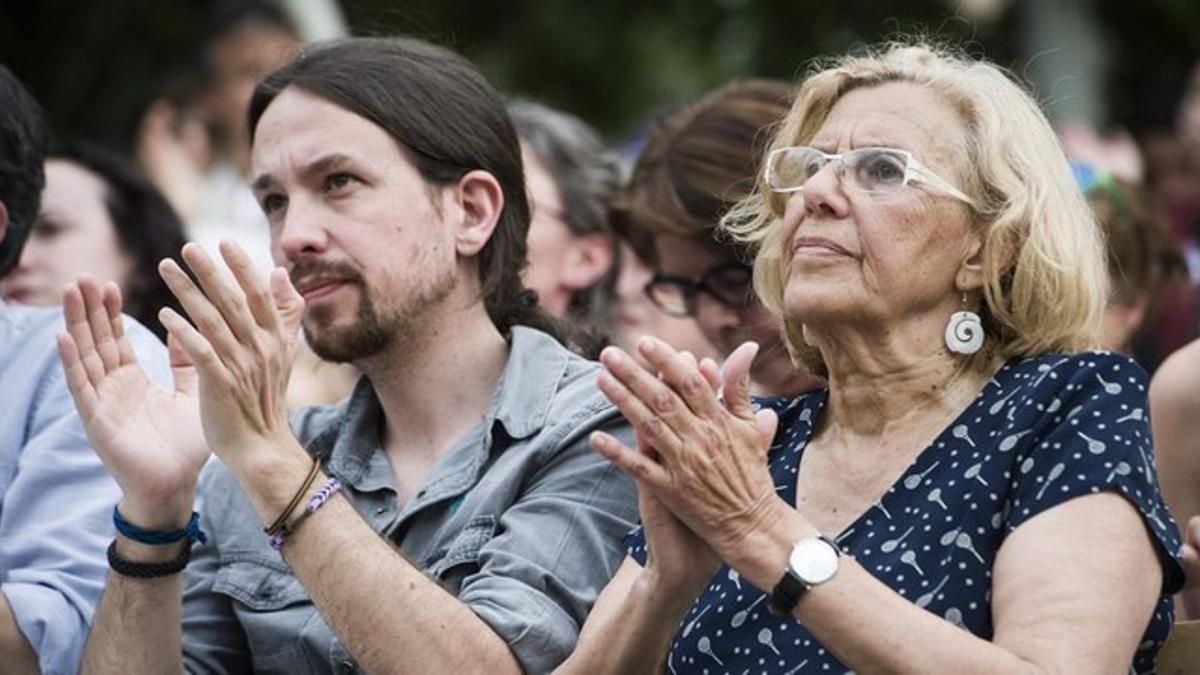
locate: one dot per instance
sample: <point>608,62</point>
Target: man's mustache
<point>323,269</point>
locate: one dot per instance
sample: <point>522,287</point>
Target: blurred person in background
<point>56,498</point>
<point>1141,255</point>
<point>635,315</point>
<point>1175,406</point>
<point>99,216</point>
<point>1174,162</point>
<point>697,163</point>
<point>195,145</point>
<point>570,178</point>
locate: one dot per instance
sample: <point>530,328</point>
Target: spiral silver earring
<point>964,332</point>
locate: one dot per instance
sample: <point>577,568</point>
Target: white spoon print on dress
<point>891,544</point>
<point>1094,446</point>
<point>963,541</point>
<point>705,647</point>
<point>960,432</point>
<point>913,481</point>
<point>764,638</point>
<point>1055,472</point>
<point>909,558</point>
<point>1026,465</point>
<point>973,472</point>
<point>948,538</point>
<point>954,616</point>
<point>927,598</point>
<point>1010,441</point>
<point>795,670</point>
<point>935,496</point>
<point>1000,404</point>
<point>696,619</point>
<point>1110,388</point>
<point>1122,469</point>
<point>736,578</point>
<point>1136,415</point>
<point>740,617</point>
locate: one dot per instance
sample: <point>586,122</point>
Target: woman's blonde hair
<point>1043,256</point>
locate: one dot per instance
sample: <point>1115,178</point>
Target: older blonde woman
<point>968,467</point>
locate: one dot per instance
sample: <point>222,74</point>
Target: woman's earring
<point>964,332</point>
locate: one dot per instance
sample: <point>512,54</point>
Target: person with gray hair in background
<point>571,178</point>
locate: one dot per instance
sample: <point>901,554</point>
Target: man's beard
<point>373,330</point>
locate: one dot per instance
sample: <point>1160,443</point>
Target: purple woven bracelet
<point>327,491</point>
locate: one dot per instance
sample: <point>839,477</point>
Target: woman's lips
<point>818,246</point>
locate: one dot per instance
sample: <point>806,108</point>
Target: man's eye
<point>273,203</point>
<point>337,181</point>
<point>46,230</point>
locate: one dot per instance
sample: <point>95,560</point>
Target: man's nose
<point>301,232</point>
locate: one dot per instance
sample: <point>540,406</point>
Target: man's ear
<point>588,258</point>
<point>480,201</point>
<point>3,221</point>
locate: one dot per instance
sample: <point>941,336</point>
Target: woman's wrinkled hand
<point>705,453</point>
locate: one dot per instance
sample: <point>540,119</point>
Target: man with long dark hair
<point>449,516</point>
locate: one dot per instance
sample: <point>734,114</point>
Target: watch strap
<point>786,594</point>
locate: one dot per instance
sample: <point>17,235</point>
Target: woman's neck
<point>878,387</point>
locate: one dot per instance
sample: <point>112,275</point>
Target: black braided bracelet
<point>129,568</point>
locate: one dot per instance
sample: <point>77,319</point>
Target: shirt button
<point>381,510</point>
<point>346,667</point>
<point>420,494</point>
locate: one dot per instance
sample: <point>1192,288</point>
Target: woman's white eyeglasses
<point>873,170</point>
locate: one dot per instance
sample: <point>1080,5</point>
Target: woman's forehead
<point>902,115</point>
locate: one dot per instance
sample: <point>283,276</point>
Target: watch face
<point>814,561</point>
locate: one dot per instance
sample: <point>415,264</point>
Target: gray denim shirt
<point>520,520</point>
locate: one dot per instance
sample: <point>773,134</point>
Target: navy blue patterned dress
<point>1044,430</point>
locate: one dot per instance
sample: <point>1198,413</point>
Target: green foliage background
<point>94,65</point>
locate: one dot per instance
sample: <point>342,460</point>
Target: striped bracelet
<point>327,491</point>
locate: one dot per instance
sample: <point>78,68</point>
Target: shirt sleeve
<point>555,550</point>
<point>56,518</point>
<point>213,639</point>
<point>1094,437</point>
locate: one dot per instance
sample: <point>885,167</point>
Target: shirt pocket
<point>273,609</point>
<point>460,556</point>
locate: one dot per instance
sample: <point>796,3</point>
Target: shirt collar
<point>528,385</point>
<point>520,404</point>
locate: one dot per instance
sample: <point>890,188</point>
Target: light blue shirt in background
<point>56,498</point>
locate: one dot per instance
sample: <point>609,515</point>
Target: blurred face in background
<point>636,315</point>
<point>74,234</point>
<point>562,263</point>
<point>240,58</point>
<point>736,316</point>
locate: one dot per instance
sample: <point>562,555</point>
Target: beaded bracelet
<point>318,500</point>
